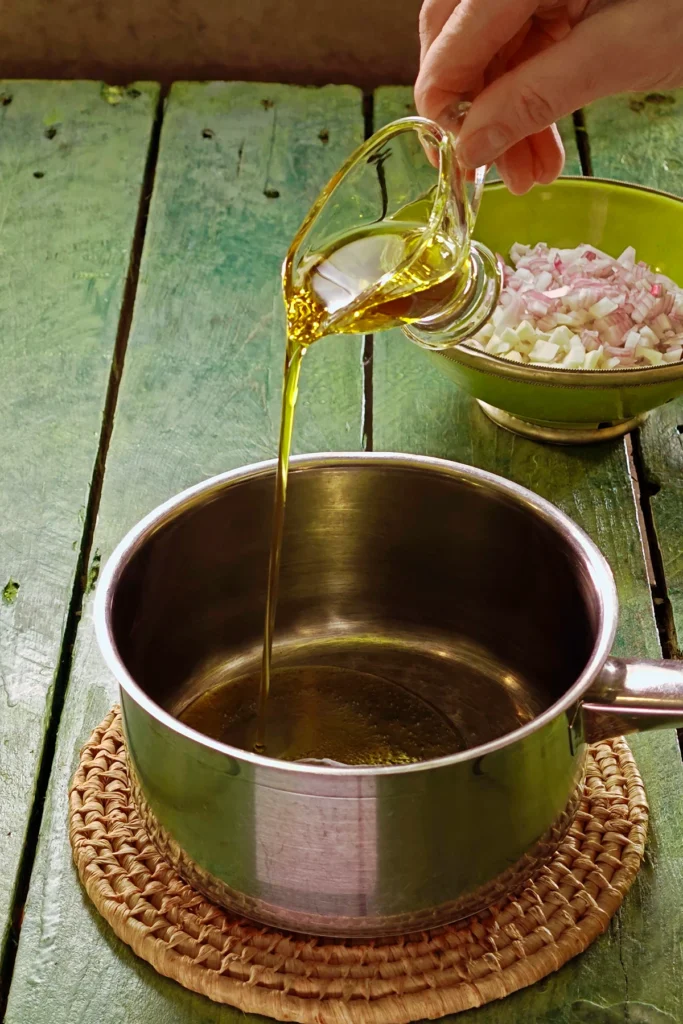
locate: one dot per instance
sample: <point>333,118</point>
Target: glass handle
<point>475,194</point>
<point>469,183</point>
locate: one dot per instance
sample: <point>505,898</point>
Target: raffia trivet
<point>322,981</point>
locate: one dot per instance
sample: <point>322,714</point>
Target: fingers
<point>537,159</point>
<point>516,168</point>
<point>599,57</point>
<point>433,16</point>
<point>457,57</point>
<point>548,154</point>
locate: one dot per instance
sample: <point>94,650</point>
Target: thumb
<point>604,54</point>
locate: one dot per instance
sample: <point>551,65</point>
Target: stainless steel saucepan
<point>458,585</point>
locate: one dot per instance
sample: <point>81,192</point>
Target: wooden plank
<point>661,442</point>
<point>640,138</point>
<point>640,960</point>
<point>72,160</point>
<point>399,100</point>
<point>200,394</point>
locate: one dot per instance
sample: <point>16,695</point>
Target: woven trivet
<point>322,981</point>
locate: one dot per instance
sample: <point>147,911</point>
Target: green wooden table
<point>141,351</point>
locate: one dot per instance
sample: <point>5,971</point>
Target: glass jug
<point>389,242</point>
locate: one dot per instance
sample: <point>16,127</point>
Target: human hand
<point>526,63</point>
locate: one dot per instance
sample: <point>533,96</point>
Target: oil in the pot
<point>318,713</point>
<point>324,297</point>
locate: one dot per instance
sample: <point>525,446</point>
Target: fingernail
<point>481,148</point>
<point>452,117</point>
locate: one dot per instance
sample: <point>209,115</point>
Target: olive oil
<point>317,713</point>
<point>376,278</point>
<point>381,276</point>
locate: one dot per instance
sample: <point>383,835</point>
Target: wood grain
<point>640,138</point>
<point>399,100</point>
<point>418,410</point>
<point>71,170</point>
<point>200,394</point>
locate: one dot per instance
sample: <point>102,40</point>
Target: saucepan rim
<point>595,564</point>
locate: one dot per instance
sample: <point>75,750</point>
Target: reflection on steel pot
<point>458,585</point>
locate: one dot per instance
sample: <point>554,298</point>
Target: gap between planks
<point>87,568</point>
<point>582,143</point>
<point>643,489</point>
<point>368,339</point>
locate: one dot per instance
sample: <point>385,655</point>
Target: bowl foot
<point>562,433</point>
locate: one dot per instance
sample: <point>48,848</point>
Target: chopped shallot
<point>582,309</point>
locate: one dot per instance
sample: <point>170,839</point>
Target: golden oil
<point>380,276</point>
<point>318,713</point>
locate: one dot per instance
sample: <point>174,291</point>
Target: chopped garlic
<point>497,347</point>
<point>525,332</point>
<point>510,337</point>
<point>648,338</point>
<point>575,358</point>
<point>603,307</point>
<point>562,337</point>
<point>593,359</point>
<point>543,351</point>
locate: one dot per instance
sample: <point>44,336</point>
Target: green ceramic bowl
<point>559,404</point>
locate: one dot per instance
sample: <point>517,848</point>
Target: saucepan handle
<point>633,696</point>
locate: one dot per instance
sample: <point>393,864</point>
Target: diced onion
<point>582,309</point>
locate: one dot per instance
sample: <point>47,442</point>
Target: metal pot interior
<point>439,585</point>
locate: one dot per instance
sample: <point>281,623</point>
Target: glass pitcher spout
<point>388,243</point>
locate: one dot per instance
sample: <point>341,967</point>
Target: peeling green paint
<point>10,591</point>
<point>94,571</point>
<point>52,118</point>
<point>113,94</point>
